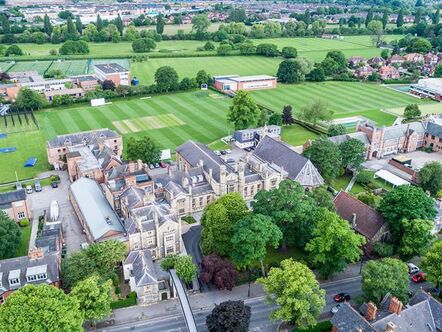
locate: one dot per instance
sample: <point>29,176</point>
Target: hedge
<point>323,326</point>
<point>129,301</point>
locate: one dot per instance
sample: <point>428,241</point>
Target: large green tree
<point>405,202</point>
<point>243,113</point>
<point>9,236</point>
<point>40,308</point>
<point>412,111</point>
<point>334,244</point>
<point>144,149</point>
<point>388,275</point>
<point>430,177</point>
<point>200,23</point>
<point>432,263</point>
<point>352,153</point>
<point>290,71</point>
<point>315,111</point>
<point>28,99</point>
<point>185,268</point>
<point>416,238</point>
<point>229,316</point>
<point>294,288</point>
<point>94,297</point>
<point>326,156</point>
<point>160,24</point>
<point>218,222</point>
<point>166,79</point>
<point>377,31</point>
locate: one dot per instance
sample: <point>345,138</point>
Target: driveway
<point>41,201</point>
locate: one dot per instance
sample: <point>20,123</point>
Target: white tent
<point>391,178</point>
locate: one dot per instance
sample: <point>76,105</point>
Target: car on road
<point>54,184</point>
<point>412,269</point>
<point>342,297</point>
<point>335,309</point>
<point>247,149</point>
<point>420,277</point>
<point>37,186</point>
<point>29,189</point>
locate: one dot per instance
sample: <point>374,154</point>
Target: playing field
<point>433,108</point>
<point>70,68</point>
<point>39,66</point>
<point>345,99</point>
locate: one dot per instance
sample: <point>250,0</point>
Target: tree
<point>432,263</point>
<point>419,45</point>
<point>64,14</point>
<point>94,297</point>
<point>326,156</point>
<point>208,46</point>
<point>187,84</point>
<point>289,52</point>
<point>203,78</point>
<point>339,58</point>
<point>377,31</point>
<point>412,111</point>
<point>322,197</point>
<point>416,238</point>
<point>13,50</point>
<point>224,49</point>
<point>369,17</point>
<point>99,23</point>
<point>229,316</point>
<point>74,47</point>
<point>385,54</point>
<point>119,24</point>
<point>294,287</point>
<point>28,99</point>
<point>388,275</point>
<point>218,221</point>
<point>317,74</point>
<point>430,177</point>
<point>336,130</point>
<point>436,17</point>
<point>400,18</point>
<point>352,153</point>
<point>243,113</point>
<point>405,202</point>
<point>9,236</point>
<point>418,16</point>
<point>200,23</point>
<point>218,271</point>
<point>71,30</point>
<point>144,149</point>
<point>385,19</point>
<point>108,85</point>
<point>141,45</point>
<point>185,268</point>
<point>270,50</point>
<point>169,262</point>
<point>166,79</point>
<point>287,117</point>
<point>160,24</point>
<point>438,70</point>
<point>290,71</point>
<point>315,111</point>
<point>40,308</point>
<point>6,26</point>
<point>334,244</point>
<point>47,26</point>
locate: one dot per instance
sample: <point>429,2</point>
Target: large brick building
<point>15,204</point>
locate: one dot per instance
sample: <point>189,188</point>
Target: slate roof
<point>143,269</point>
<point>348,319</point>
<point>368,220</point>
<point>434,129</point>
<point>7,198</point>
<point>133,195</point>
<point>82,137</point>
<point>148,213</point>
<point>359,135</point>
<point>96,210</point>
<point>436,307</point>
<point>396,132</point>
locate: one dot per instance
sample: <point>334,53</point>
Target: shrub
<point>74,47</point>
<point>364,177</point>
<point>129,301</point>
<point>13,50</point>
<point>24,222</point>
<point>383,249</point>
<point>209,46</point>
<point>289,52</point>
<point>143,45</point>
<point>53,51</point>
<point>189,219</point>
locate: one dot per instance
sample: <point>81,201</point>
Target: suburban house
<point>355,61</point>
<point>422,313</point>
<point>9,91</point>
<point>433,136</point>
<point>58,147</point>
<point>414,57</point>
<point>376,61</point>
<point>428,88</point>
<point>234,83</point>
<point>36,268</point>
<point>113,72</point>
<point>250,137</point>
<point>388,73</point>
<point>15,204</point>
<point>431,59</point>
<point>96,216</point>
<point>364,71</point>
<point>396,59</point>
<point>146,278</point>
<point>363,219</point>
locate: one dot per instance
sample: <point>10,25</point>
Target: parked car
<point>29,189</point>
<point>342,297</point>
<point>230,160</point>
<point>420,277</point>
<point>228,151</point>
<point>171,162</point>
<point>151,166</point>
<point>217,152</point>
<point>247,149</point>
<point>223,152</point>
<point>156,165</point>
<point>54,184</point>
<point>162,165</point>
<point>412,269</point>
<point>37,186</point>
<point>18,186</point>
<point>335,309</point>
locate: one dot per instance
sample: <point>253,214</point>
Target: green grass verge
<point>275,256</point>
<point>324,326</point>
<point>296,134</point>
<point>25,236</point>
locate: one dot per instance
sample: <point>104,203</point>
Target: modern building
<point>428,88</point>
<point>96,216</point>
<point>113,72</point>
<point>250,137</point>
<point>232,83</point>
<point>15,204</point>
<point>363,219</point>
<point>86,82</point>
<point>74,93</point>
<point>58,147</point>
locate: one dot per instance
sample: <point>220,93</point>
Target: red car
<point>162,165</point>
<point>419,277</point>
<point>342,297</point>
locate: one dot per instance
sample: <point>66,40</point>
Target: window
<point>258,187</point>
<point>14,281</point>
<point>169,238</point>
<point>207,199</point>
<point>2,299</point>
<point>36,277</point>
<point>245,191</point>
<point>201,201</point>
<point>170,250</point>
<point>20,215</point>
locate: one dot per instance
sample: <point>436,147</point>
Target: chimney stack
<point>391,327</point>
<point>353,220</point>
<point>35,253</point>
<point>395,306</point>
<point>371,311</point>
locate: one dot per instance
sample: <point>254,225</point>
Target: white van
<point>412,269</point>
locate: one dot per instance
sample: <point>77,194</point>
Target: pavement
<point>41,201</point>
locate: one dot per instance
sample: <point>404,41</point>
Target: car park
<point>335,308</point>
<point>29,189</point>
<point>37,186</point>
<point>419,277</point>
<point>223,152</point>
<point>412,269</point>
<point>342,297</point>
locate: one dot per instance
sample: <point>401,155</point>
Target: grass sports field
<point>345,99</point>
<point>433,108</point>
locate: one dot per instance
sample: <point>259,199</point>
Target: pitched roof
<point>368,220</point>
<point>143,269</point>
<point>11,196</point>
<point>84,137</point>
<point>348,319</point>
<point>434,129</point>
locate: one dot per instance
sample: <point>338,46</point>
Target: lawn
<point>39,66</point>
<point>433,108</point>
<point>70,68</point>
<point>25,236</point>
<point>297,135</point>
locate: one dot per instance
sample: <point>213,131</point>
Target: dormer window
<point>14,281</point>
<point>37,277</point>
<point>36,273</point>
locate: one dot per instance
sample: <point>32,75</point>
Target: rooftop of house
<point>111,68</point>
<point>84,137</point>
<point>156,211</point>
<point>96,210</point>
<point>7,198</point>
<point>434,129</point>
<point>143,270</point>
<point>62,92</point>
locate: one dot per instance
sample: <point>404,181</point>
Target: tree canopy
<point>336,130</point>
<point>243,113</point>
<point>229,316</point>
<point>412,111</point>
<point>218,271</point>
<point>28,99</point>
<point>352,153</point>
<point>9,236</point>
<point>185,268</point>
<point>326,156</point>
<point>430,177</point>
<point>416,237</point>
<point>315,111</point>
<point>200,23</point>
<point>144,149</point>
<point>432,263</point>
<point>290,71</point>
<point>166,79</point>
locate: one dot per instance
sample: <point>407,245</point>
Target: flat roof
<point>246,78</point>
<point>391,178</point>
<point>63,92</point>
<point>111,68</point>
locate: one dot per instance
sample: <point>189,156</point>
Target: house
<point>15,204</point>
<point>234,83</point>
<point>364,72</point>
<point>376,61</point>
<point>86,82</point>
<point>36,268</point>
<point>414,57</point>
<point>96,216</point>
<point>388,73</point>
<point>355,61</point>
<point>113,72</point>
<point>146,278</point>
<point>9,91</point>
<point>250,137</point>
<point>58,147</point>
<point>422,313</point>
<point>396,59</point>
<point>431,59</point>
<point>433,136</point>
<point>363,219</point>
<point>428,88</point>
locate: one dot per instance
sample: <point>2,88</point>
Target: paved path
<point>351,183</point>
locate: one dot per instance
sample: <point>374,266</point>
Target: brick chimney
<point>395,306</point>
<point>35,253</point>
<point>391,327</point>
<point>371,311</point>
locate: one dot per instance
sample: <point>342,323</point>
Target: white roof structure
<point>391,178</point>
<point>431,84</point>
